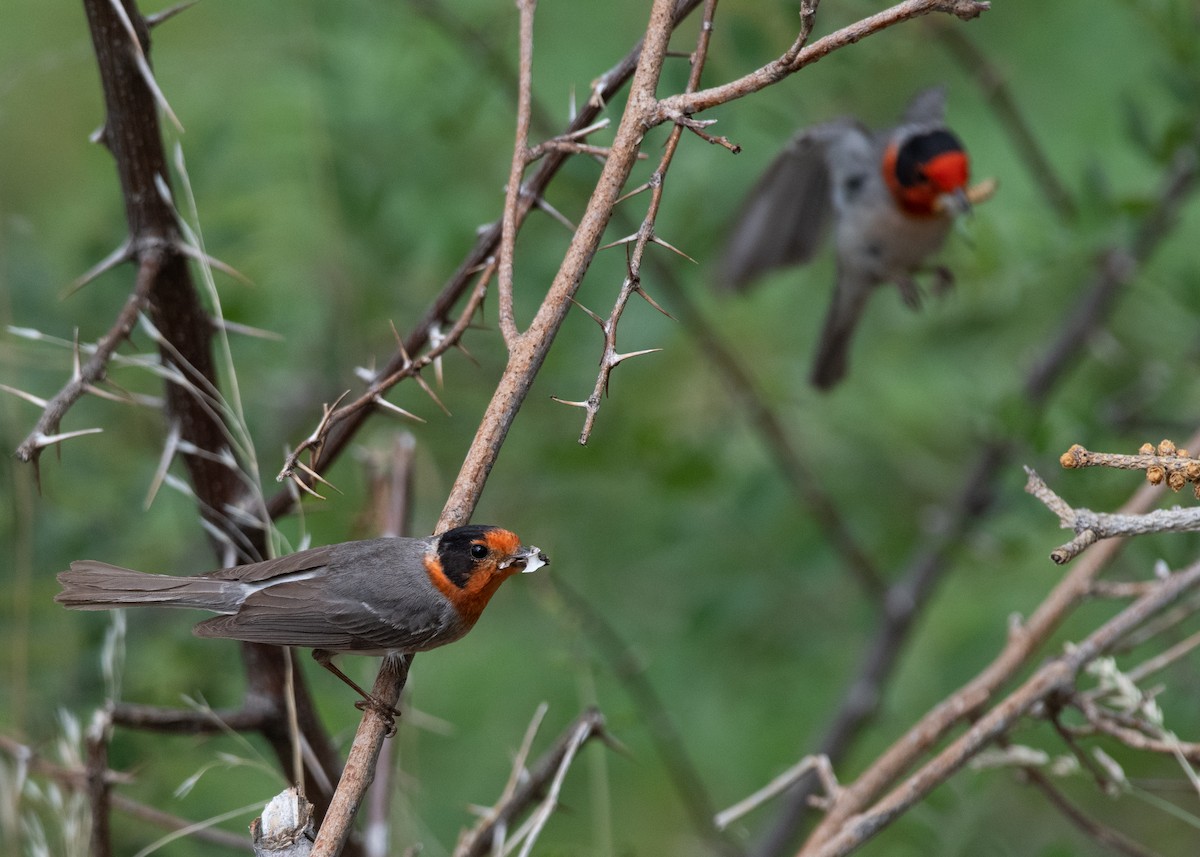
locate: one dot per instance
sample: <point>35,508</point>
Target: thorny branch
<point>344,424</point>
<point>800,55</point>
<point>642,113</point>
<point>373,396</point>
<point>611,358</point>
<point>94,370</point>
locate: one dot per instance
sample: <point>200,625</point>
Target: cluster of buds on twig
<point>1162,463</point>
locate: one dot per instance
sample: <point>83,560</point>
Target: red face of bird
<point>927,173</point>
<point>468,564</point>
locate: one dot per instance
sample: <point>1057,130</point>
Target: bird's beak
<point>955,203</point>
<point>532,558</point>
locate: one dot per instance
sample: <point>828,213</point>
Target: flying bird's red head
<point>927,173</point>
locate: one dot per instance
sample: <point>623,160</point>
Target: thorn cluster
<point>1162,463</point>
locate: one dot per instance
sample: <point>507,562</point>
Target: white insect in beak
<point>531,556</point>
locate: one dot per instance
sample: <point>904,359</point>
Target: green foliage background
<point>342,156</point>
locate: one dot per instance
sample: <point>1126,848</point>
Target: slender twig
<point>1162,463</point>
<point>1090,527</point>
<point>781,783</point>
<point>1164,659</point>
<point>1101,834</point>
<point>520,160</point>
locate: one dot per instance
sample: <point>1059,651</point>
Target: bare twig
<point>1101,834</point>
<point>536,784</point>
<point>784,781</point>
<point>520,160</point>
<point>688,104</point>
<point>1092,526</point>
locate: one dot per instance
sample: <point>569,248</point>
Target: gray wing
<point>786,216</point>
<point>259,572</point>
<point>373,596</point>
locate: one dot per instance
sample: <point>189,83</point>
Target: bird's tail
<point>91,585</point>
<point>833,349</point>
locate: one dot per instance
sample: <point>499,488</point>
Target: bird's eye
<point>479,551</point>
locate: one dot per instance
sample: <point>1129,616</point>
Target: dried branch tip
<point>1162,463</point>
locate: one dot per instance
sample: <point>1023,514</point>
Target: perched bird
<point>892,198</point>
<point>386,596</point>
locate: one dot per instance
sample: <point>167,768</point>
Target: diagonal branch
<point>690,103</point>
<point>1054,678</point>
